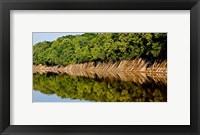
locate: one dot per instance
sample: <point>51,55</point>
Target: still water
<point>52,87</point>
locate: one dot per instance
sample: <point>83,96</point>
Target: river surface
<point>51,87</point>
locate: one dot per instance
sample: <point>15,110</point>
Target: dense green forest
<point>101,47</point>
<point>98,89</point>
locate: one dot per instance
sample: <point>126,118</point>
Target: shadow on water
<point>100,89</point>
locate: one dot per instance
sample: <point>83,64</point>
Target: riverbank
<point>135,70</point>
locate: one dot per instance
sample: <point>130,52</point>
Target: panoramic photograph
<point>99,67</point>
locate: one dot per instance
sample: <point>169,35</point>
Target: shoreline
<point>134,71</point>
<point>134,66</point>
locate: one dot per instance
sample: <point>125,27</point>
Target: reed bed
<point>126,70</point>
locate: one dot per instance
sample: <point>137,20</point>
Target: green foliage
<point>101,47</point>
<point>66,86</point>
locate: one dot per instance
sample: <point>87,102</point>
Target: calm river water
<point>51,87</point>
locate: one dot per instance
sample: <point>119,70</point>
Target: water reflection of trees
<point>98,89</point>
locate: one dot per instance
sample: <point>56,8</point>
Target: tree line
<point>101,47</point>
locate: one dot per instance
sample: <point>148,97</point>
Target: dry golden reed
<point>127,70</point>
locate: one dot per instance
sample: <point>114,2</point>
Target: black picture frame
<point>7,5</point>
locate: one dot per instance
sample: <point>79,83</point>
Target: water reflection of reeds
<point>136,71</point>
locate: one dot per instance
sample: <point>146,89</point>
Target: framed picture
<point>99,67</point>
